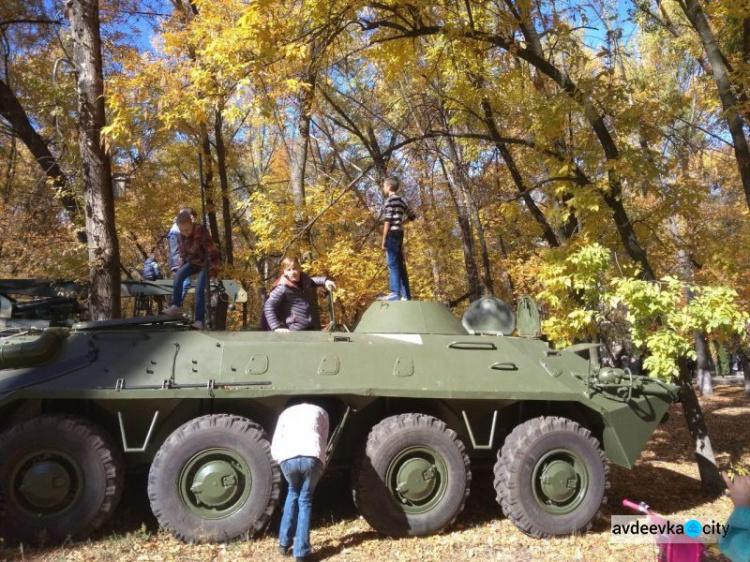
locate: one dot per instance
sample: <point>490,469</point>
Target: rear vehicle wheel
<point>550,477</point>
<point>214,480</point>
<point>413,476</point>
<point>60,477</point>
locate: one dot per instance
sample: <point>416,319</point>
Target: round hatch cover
<point>489,315</point>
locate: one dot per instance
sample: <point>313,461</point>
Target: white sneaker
<point>172,310</point>
<point>198,325</point>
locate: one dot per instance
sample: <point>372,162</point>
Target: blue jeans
<point>178,293</point>
<point>185,284</point>
<point>394,253</point>
<point>302,474</point>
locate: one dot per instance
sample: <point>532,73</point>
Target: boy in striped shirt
<point>395,213</point>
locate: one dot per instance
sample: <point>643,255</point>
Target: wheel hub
<point>559,481</point>
<point>216,483</point>
<point>416,480</point>
<point>45,484</point>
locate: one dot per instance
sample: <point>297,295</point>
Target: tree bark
<point>488,285</point>
<point>104,248</point>
<point>208,186</point>
<point>462,195</point>
<point>685,266</point>
<point>467,236</point>
<point>710,475</point>
<point>744,362</point>
<point>221,164</point>
<point>13,112</point>
<point>704,382</point>
<point>723,79</point>
<point>300,147</point>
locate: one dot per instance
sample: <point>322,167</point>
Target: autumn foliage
<point>570,151</point>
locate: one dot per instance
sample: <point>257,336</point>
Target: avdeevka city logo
<point>639,529</point>
<point>693,528</point>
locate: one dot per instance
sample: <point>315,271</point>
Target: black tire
<point>398,449</point>
<point>60,477</point>
<point>551,478</point>
<point>224,455</point>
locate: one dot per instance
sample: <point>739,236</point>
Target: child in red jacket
<point>192,250</point>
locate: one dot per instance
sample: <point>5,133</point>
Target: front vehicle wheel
<point>550,477</point>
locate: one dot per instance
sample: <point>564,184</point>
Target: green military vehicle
<point>415,397</point>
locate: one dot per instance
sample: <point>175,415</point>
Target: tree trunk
<point>508,278</point>
<point>104,248</point>
<point>13,112</point>
<point>463,193</point>
<point>467,236</point>
<point>685,266</point>
<point>704,382</point>
<point>488,285</point>
<point>711,480</point>
<point>697,18</point>
<point>300,147</point>
<point>208,185</point>
<point>10,169</point>
<point>744,362</point>
<point>221,164</point>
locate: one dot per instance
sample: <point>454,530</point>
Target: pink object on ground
<point>670,550</point>
<point>686,550</point>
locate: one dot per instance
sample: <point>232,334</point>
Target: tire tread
<point>366,484</point>
<point>505,468</point>
<point>252,431</point>
<point>107,453</point>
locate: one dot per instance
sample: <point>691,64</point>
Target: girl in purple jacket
<point>287,309</point>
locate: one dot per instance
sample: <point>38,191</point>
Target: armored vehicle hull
<point>415,400</point>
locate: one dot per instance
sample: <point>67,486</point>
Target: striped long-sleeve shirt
<point>396,211</point>
<point>287,306</point>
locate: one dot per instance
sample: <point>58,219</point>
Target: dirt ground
<point>665,477</point>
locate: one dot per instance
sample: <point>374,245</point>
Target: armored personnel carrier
<point>416,399</point>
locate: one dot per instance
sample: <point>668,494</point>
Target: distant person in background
<point>193,242</point>
<point>150,271</point>
<point>299,446</point>
<point>287,308</point>
<point>395,213</point>
<point>173,237</point>
<point>736,544</point>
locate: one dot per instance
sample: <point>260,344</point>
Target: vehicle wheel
<point>550,477</point>
<point>413,476</point>
<point>60,477</point>
<point>214,480</point>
